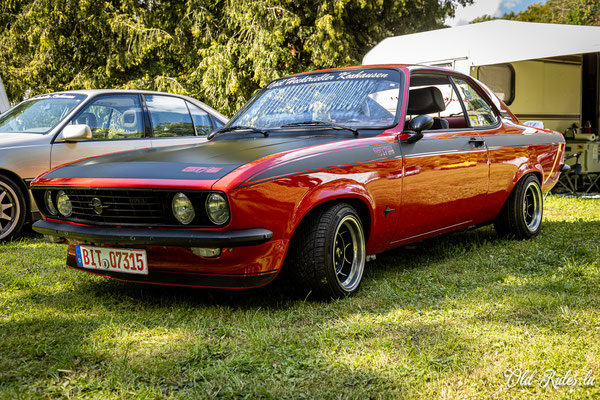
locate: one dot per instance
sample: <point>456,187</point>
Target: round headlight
<point>183,209</point>
<point>49,202</point>
<point>217,208</point>
<point>63,203</point>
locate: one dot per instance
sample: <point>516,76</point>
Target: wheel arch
<point>354,194</point>
<point>526,169</point>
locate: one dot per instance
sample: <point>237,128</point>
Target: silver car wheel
<point>532,206</point>
<point>349,253</point>
<point>10,210</point>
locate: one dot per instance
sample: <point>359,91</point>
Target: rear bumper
<point>154,237</point>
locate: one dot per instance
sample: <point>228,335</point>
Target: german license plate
<point>129,261</point>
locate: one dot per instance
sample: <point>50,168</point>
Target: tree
<point>573,12</point>
<point>220,51</point>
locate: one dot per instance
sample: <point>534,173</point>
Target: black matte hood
<point>207,161</point>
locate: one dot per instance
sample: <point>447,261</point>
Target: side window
<point>218,124</point>
<point>113,117</point>
<point>480,113</point>
<point>201,119</point>
<point>169,116</point>
<point>434,95</point>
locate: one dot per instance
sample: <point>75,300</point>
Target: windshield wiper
<point>237,128</point>
<point>323,124</point>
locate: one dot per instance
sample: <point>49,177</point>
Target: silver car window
<point>113,117</point>
<point>201,119</point>
<point>39,114</point>
<point>170,116</point>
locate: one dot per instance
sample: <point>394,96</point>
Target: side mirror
<point>415,126</point>
<point>75,133</point>
<point>420,123</point>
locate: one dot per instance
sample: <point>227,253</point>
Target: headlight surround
<point>217,208</point>
<point>183,209</point>
<point>63,203</point>
<point>50,203</point>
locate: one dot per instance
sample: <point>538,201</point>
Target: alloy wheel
<point>349,253</point>
<point>532,206</point>
<point>9,210</point>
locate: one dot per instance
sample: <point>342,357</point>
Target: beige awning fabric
<point>485,43</point>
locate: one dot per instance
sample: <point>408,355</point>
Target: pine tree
<point>220,51</point>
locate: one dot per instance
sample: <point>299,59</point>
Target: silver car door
<point>117,124</point>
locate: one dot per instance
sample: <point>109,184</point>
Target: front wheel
<point>12,209</point>
<point>328,252</point>
<point>521,215</point>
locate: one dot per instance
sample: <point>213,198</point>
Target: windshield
<point>359,98</point>
<point>40,114</point>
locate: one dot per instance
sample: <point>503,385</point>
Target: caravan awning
<point>484,43</point>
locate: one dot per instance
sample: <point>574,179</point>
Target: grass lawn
<point>448,319</point>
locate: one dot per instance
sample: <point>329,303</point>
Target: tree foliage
<point>220,51</point>
<point>573,12</point>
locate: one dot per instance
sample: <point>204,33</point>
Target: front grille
<point>125,207</point>
<point>120,207</point>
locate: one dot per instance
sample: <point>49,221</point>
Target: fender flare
<point>528,168</point>
<point>339,189</point>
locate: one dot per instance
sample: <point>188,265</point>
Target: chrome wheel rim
<point>349,253</point>
<point>9,210</point>
<point>532,206</point>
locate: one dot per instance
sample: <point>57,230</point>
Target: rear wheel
<point>12,209</point>
<point>328,252</point>
<point>521,215</point>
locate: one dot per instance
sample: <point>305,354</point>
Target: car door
<point>174,121</point>
<point>445,179</point>
<point>116,122</point>
<point>505,148</point>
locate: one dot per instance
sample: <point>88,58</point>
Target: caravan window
<point>501,79</point>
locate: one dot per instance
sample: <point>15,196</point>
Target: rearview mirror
<point>75,133</point>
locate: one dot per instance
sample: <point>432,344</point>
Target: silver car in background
<point>46,131</point>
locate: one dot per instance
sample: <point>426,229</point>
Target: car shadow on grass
<point>478,252</point>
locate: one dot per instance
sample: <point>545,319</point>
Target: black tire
<point>320,252</point>
<point>521,215</point>
<point>13,209</point>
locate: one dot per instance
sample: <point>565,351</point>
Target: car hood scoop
<point>207,161</point>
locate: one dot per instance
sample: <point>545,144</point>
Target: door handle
<point>477,142</point>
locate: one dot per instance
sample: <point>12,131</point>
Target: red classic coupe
<point>317,173</point>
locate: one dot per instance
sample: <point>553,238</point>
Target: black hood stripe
<point>326,160</point>
<point>207,161</point>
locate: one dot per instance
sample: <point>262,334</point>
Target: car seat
<point>88,119</point>
<point>130,120</point>
<point>427,100</point>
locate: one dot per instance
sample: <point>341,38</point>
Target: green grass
<point>444,319</point>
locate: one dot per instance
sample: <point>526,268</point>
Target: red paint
<point>431,193</point>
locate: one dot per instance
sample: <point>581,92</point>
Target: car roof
<point>97,92</point>
<point>105,91</point>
